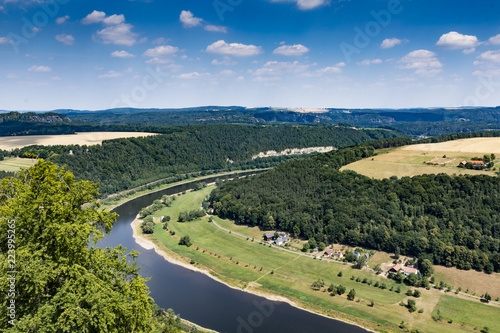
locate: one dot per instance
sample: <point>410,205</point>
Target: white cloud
<point>226,61</point>
<point>291,50</point>
<point>5,40</point>
<point>65,39</point>
<point>40,69</point>
<point>110,75</point>
<point>277,68</point>
<point>454,41</point>
<point>160,51</point>
<point>469,51</point>
<point>193,75</point>
<point>120,34</point>
<point>391,42</point>
<point>491,56</point>
<point>188,20</point>
<point>488,73</point>
<point>424,62</point>
<point>216,28</point>
<point>11,76</point>
<point>62,20</point>
<point>160,40</point>
<point>157,61</point>
<point>306,4</point>
<point>368,62</point>
<point>122,54</point>
<point>94,17</point>
<point>495,40</point>
<point>227,72</point>
<point>114,19</point>
<point>234,49</point>
<point>331,69</point>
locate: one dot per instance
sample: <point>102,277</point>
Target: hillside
<point>125,163</point>
<point>452,221</point>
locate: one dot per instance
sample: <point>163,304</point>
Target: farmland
<point>89,139</point>
<point>430,158</point>
<point>14,164</point>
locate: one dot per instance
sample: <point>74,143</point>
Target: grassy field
<point>248,265</point>
<point>15,163</point>
<point>413,160</point>
<point>93,138</point>
<point>468,280</point>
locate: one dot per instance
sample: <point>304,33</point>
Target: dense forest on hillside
<point>414,122</point>
<point>126,163</point>
<point>453,221</point>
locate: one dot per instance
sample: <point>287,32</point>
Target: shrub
<point>185,241</point>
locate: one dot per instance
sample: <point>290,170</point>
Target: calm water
<point>208,303</point>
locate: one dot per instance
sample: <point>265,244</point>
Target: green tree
<point>321,246</point>
<point>64,284</point>
<point>397,252</point>
<point>186,240</point>
<point>351,295</point>
<point>341,289</point>
<point>426,268</point>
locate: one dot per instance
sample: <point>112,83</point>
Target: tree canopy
<point>64,283</point>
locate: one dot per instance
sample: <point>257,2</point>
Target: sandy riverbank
<point>177,260</point>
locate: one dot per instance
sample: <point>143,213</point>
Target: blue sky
<point>284,53</point>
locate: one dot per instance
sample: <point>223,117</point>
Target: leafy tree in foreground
<point>63,283</point>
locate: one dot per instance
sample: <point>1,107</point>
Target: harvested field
<point>89,139</point>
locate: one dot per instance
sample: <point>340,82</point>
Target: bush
<point>421,310</point>
<point>351,295</point>
<point>148,227</point>
<point>340,274</point>
<point>185,241</point>
<point>416,293</point>
<point>411,305</point>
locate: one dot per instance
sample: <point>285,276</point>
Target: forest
<point>126,163</point>
<point>452,221</point>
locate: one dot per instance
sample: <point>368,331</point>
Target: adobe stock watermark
<point>11,273</point>
<point>140,92</point>
<point>31,27</point>
<point>256,318</point>
<point>485,88</point>
<point>372,29</point>
<point>224,6</point>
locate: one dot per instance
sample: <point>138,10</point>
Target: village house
<point>268,237</point>
<point>477,163</point>
<point>357,254</point>
<point>406,270</point>
<point>328,253</point>
<point>338,255</point>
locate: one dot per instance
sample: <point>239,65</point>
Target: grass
<point>15,164</point>
<point>468,280</point>
<point>249,265</point>
<point>468,313</point>
<point>412,160</point>
<point>92,138</point>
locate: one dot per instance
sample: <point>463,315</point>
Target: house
<point>357,254</point>
<point>406,270</point>
<point>477,163</point>
<point>279,241</point>
<point>268,237</point>
<point>315,250</point>
<point>338,254</point>
<point>328,253</point>
<point>463,163</point>
<point>367,255</point>
<point>284,237</point>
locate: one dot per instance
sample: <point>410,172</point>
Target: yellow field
<point>412,160</point>
<point>89,139</point>
<point>489,283</point>
<point>16,163</point>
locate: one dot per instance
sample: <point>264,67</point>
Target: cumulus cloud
<point>122,54</point>
<point>40,69</point>
<point>495,40</point>
<point>110,75</point>
<point>389,43</point>
<point>62,20</point>
<point>424,62</point>
<point>306,4</point>
<point>11,76</point>
<point>160,51</point>
<point>368,62</point>
<point>193,75</point>
<point>216,28</point>
<point>234,49</point>
<point>65,39</point>
<point>120,34</point>
<point>188,20</point>
<point>454,41</point>
<point>490,56</point>
<point>94,17</point>
<point>5,40</point>
<point>291,50</point>
<point>226,61</point>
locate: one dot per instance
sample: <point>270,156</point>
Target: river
<point>204,301</point>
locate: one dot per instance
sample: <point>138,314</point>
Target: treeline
<point>126,163</point>
<point>452,221</point>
